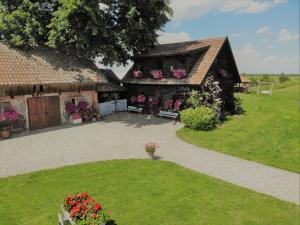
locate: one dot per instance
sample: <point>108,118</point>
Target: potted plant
<point>83,209</point>
<point>168,105</point>
<point>178,104</point>
<point>5,126</point>
<point>157,74</point>
<point>82,108</point>
<point>179,73</point>
<point>137,74</point>
<point>150,148</point>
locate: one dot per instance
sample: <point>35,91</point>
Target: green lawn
<point>140,192</point>
<point>268,132</point>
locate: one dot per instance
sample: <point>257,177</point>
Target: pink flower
<point>137,74</point>
<point>157,74</point>
<point>154,100</point>
<point>178,104</point>
<point>141,99</point>
<point>168,104</point>
<point>179,73</point>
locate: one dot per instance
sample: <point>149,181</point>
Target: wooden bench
<point>173,115</point>
<point>135,109</point>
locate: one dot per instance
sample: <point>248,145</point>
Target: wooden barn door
<point>44,112</point>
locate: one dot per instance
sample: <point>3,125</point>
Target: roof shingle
<point>45,66</point>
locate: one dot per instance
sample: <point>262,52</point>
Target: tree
<point>113,29</point>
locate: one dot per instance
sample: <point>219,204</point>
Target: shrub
<point>283,78</point>
<point>200,118</point>
<point>193,99</point>
<point>265,78</point>
<point>238,109</point>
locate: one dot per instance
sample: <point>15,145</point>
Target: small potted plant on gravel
<point>150,148</point>
<point>5,126</point>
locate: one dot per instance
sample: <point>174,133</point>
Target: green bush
<point>283,78</point>
<point>265,78</point>
<point>200,118</point>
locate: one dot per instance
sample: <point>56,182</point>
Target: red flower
<point>93,215</point>
<point>84,195</point>
<point>72,203</point>
<point>84,207</point>
<point>97,207</point>
<point>75,210</point>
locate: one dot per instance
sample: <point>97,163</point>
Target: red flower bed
<point>83,208</point>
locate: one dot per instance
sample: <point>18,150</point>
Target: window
<point>73,100</point>
<point>159,64</point>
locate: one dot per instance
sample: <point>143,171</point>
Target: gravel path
<point>122,136</point>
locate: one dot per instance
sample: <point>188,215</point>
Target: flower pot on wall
<point>5,134</point>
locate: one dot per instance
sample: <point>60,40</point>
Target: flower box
<point>179,73</point>
<point>82,209</point>
<point>157,74</point>
<point>137,74</point>
<point>64,218</point>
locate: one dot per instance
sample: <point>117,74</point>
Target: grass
<point>140,192</point>
<point>268,132</point>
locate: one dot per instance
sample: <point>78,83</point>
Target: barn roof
<point>41,65</point>
<point>209,47</point>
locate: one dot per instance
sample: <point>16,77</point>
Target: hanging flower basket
<point>137,74</point>
<point>179,73</point>
<point>157,74</point>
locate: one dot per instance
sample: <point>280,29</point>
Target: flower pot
<point>151,154</point>
<point>4,134</point>
<point>98,117</point>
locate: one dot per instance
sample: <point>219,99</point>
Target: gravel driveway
<point>122,136</point>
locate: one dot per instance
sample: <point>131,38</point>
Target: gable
<point>209,48</point>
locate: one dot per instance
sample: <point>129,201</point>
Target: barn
<point>152,73</point>
<point>38,82</point>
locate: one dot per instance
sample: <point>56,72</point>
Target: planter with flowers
<point>137,74</point>
<point>11,121</point>
<point>178,104</point>
<point>153,103</point>
<point>71,109</point>
<point>83,108</point>
<point>150,148</point>
<point>179,73</point>
<point>5,126</point>
<point>168,105</point>
<point>157,74</point>
<point>82,209</point>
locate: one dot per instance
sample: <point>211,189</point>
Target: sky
<point>264,34</point>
